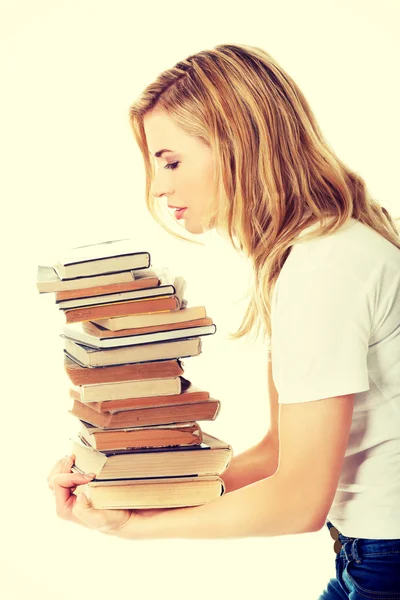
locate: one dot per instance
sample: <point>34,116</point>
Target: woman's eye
<point>171,165</point>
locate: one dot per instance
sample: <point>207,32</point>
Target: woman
<point>230,141</point>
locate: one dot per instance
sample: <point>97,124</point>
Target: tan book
<point>189,393</point>
<point>159,436</point>
<point>90,313</point>
<point>119,390</point>
<point>81,375</point>
<point>91,357</point>
<point>102,333</point>
<point>114,288</point>
<point>162,492</point>
<point>99,259</point>
<point>152,320</point>
<point>75,332</point>
<point>211,457</point>
<point>48,281</point>
<point>147,417</point>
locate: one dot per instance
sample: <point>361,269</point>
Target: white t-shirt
<point>335,330</point>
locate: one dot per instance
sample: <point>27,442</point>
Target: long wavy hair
<point>274,173</point>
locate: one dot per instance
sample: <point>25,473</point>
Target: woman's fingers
<point>63,465</point>
<point>64,484</point>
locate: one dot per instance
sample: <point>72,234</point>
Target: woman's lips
<point>179,213</point>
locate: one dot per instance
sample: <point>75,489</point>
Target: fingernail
<point>90,475</point>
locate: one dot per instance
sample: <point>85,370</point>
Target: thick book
<point>92,357</point>
<point>147,417</point>
<point>161,492</point>
<point>76,333</point>
<point>167,287</point>
<point>100,259</point>
<point>159,436</point>
<point>47,281</point>
<point>152,320</point>
<point>102,333</point>
<point>118,390</point>
<point>112,288</point>
<point>189,393</point>
<point>211,457</point>
<point>81,375</point>
<point>88,313</point>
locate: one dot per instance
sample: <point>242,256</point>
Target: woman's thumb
<point>83,510</point>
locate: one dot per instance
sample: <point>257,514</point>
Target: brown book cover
<point>114,288</point>
<point>102,332</point>
<point>118,309</point>
<point>80,375</point>
<point>160,492</point>
<point>159,436</point>
<point>147,417</point>
<point>190,393</point>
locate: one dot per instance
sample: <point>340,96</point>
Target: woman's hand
<point>78,509</point>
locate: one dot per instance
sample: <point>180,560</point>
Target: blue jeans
<point>365,569</point>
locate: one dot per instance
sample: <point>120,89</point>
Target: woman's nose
<point>158,189</point>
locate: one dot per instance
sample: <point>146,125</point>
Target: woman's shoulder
<point>354,249</point>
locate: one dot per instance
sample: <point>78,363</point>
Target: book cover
<point>147,417</point>
<point>78,334</point>
<point>211,457</point>
<point>48,281</point>
<point>133,354</point>
<point>101,258</point>
<point>166,287</point>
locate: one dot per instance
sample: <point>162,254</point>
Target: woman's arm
<point>259,461</point>
<point>296,499</point>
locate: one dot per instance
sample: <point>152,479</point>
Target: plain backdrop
<point>71,174</point>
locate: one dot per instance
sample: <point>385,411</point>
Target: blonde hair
<point>275,174</point>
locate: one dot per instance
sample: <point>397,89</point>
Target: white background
<point>71,174</point>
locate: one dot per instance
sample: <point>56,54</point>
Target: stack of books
<point>127,329</point>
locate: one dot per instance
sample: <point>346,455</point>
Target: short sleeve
<point>320,328</point>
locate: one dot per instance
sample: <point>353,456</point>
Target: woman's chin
<point>193,227</point>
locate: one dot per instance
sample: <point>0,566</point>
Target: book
<point>159,436</point>
<point>102,333</point>
<point>152,320</point>
<point>211,457</point>
<point>76,333</point>
<point>147,417</point>
<point>189,393</point>
<point>118,390</point>
<point>92,357</point>
<point>106,257</point>
<point>88,313</point>
<point>166,287</point>
<point>161,492</point>
<point>48,281</point>
<point>81,375</point>
<point>112,288</point>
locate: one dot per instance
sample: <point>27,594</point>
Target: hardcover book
<point>211,457</point>
<point>105,257</point>
<point>161,492</point>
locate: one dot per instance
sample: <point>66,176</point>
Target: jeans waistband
<point>356,548</point>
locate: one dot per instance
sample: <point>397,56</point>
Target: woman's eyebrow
<point>161,152</point>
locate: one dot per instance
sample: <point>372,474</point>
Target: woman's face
<point>184,172</point>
